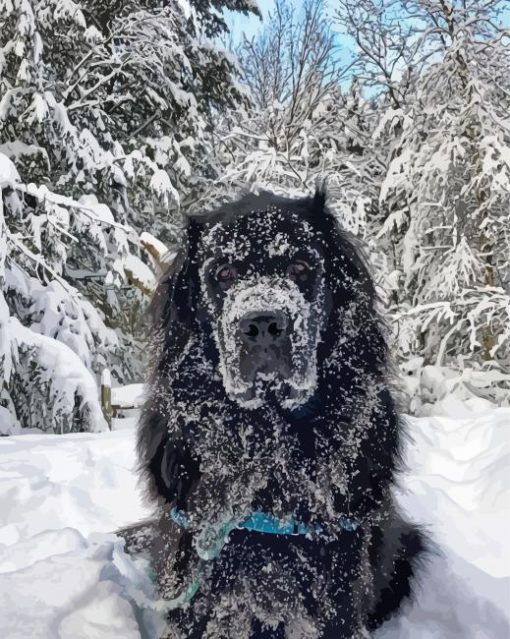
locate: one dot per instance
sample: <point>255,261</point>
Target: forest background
<point>116,121</point>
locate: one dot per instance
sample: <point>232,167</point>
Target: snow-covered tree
<point>386,53</point>
<point>104,109</point>
<point>301,127</point>
<point>447,187</point>
<point>51,338</point>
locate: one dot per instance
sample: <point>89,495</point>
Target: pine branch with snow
<point>104,109</point>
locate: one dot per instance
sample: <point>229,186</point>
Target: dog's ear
<point>174,305</point>
<point>319,199</point>
<point>164,453</point>
<point>351,290</point>
<point>165,458</point>
<point>348,269</point>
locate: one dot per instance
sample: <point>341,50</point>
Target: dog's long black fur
<point>335,455</point>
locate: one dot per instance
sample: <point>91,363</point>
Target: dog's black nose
<point>263,329</point>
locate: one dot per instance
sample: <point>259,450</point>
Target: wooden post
<point>106,396</point>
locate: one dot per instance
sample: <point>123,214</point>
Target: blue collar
<point>267,523</point>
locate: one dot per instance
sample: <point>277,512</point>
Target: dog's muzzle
<point>267,340</point>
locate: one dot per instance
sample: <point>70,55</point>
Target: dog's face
<point>262,280</point>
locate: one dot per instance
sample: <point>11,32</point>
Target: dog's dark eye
<point>298,270</point>
<point>226,273</point>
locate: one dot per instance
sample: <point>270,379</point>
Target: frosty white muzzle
<point>267,341</point>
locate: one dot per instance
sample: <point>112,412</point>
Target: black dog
<point>270,439</point>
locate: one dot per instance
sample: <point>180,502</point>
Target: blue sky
<point>240,24</point>
<point>249,25</point>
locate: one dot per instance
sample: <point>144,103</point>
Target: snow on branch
<point>67,390</point>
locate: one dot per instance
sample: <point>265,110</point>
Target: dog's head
<point>266,281</point>
<point>262,281</point>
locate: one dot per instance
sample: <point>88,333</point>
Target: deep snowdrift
<point>63,574</point>
<point>458,486</point>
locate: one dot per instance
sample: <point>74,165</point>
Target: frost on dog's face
<point>262,276</point>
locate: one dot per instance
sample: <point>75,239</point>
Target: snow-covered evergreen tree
<point>104,108</point>
<point>447,188</point>
<point>51,337</point>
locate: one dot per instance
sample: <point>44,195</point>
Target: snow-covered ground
<point>458,486</point>
<point>64,575</point>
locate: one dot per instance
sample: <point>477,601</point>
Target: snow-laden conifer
<point>104,108</point>
<point>446,192</point>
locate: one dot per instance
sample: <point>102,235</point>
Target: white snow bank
<point>60,579</point>
<point>83,481</point>
<point>75,589</point>
<point>458,487</point>
<point>63,574</point>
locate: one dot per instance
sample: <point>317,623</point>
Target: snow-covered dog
<point>270,439</point>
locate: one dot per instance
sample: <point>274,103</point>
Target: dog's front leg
<point>177,568</point>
